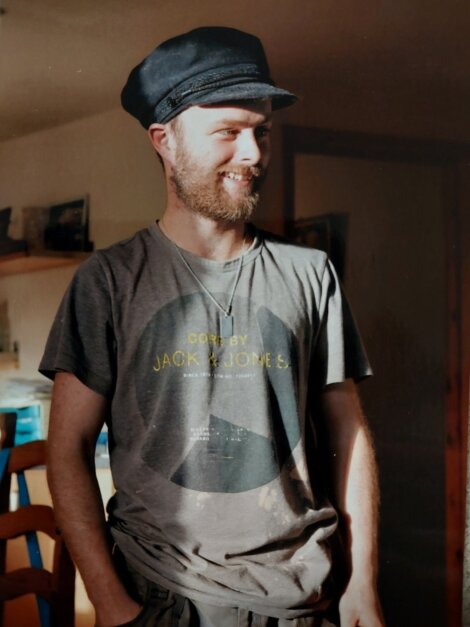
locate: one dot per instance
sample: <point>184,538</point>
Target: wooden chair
<point>54,590</point>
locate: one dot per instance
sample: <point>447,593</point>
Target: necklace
<point>225,314</point>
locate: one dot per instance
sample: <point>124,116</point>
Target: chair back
<point>54,589</point>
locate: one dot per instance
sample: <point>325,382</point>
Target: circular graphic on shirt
<point>220,413</point>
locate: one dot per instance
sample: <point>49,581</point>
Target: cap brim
<point>247,91</point>
<point>280,98</point>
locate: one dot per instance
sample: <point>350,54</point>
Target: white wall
<point>106,156</point>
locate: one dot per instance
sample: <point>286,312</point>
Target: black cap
<point>207,65</point>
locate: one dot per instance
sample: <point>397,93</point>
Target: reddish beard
<point>202,191</point>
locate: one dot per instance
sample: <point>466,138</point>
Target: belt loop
<point>243,617</point>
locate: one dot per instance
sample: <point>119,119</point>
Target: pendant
<point>226,325</point>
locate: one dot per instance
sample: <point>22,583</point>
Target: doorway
<point>391,211</point>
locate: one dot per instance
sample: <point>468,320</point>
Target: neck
<point>202,236</point>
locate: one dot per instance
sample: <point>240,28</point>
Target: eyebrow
<point>235,122</point>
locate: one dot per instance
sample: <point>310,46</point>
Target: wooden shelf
<point>23,262</point>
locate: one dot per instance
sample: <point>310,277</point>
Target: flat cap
<point>207,65</point>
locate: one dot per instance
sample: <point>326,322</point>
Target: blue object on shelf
<point>28,423</point>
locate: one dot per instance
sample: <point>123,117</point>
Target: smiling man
<point>223,189</point>
<point>222,360</point>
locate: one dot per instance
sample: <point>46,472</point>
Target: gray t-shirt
<point>211,439</point>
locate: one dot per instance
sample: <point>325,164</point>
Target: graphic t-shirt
<point>211,438</point>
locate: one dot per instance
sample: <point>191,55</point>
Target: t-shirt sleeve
<point>81,340</point>
<point>339,353</point>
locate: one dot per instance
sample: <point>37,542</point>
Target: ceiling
<point>65,59</point>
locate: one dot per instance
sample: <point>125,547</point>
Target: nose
<point>248,147</point>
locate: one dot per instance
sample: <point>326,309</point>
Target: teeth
<point>233,176</point>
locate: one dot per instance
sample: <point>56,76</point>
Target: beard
<point>202,189</point>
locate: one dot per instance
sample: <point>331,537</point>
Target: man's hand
<point>360,606</point>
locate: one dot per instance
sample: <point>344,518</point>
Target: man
<point>221,359</point>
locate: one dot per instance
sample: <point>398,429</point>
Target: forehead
<point>248,113</point>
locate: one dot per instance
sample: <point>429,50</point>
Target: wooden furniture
<point>22,262</point>
<point>55,588</point>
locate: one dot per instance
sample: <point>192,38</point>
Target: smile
<point>235,177</point>
<point>238,177</point>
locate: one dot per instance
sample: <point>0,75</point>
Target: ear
<point>158,134</point>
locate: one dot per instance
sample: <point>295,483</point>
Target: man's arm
<point>77,415</point>
<point>356,493</point>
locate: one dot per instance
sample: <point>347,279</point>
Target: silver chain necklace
<point>225,315</point>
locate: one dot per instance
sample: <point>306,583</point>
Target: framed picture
<point>326,232</point>
<point>67,226</point>
<point>313,232</point>
<point>35,220</point>
<point>8,245</point>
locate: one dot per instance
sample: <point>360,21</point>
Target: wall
<point>339,107</point>
<point>106,156</point>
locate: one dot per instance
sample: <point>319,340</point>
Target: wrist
<point>363,584</point>
<point>364,567</point>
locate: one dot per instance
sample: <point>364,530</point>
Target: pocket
<point>146,616</point>
<point>158,609</point>
<point>135,622</point>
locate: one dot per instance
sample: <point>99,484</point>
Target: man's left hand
<point>360,607</point>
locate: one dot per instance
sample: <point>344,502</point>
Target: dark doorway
<point>401,270</point>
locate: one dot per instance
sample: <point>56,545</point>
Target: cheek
<point>265,154</point>
<point>265,147</point>
<point>217,151</point>
<point>221,155</point>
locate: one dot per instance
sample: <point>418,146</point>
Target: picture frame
<point>67,226</point>
<point>326,232</point>
<point>35,220</point>
<point>313,232</point>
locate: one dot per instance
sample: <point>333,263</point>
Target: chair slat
<point>26,581</point>
<point>27,456</point>
<point>54,591</point>
<point>26,519</point>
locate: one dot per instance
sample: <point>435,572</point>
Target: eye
<point>228,132</point>
<point>262,131</point>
